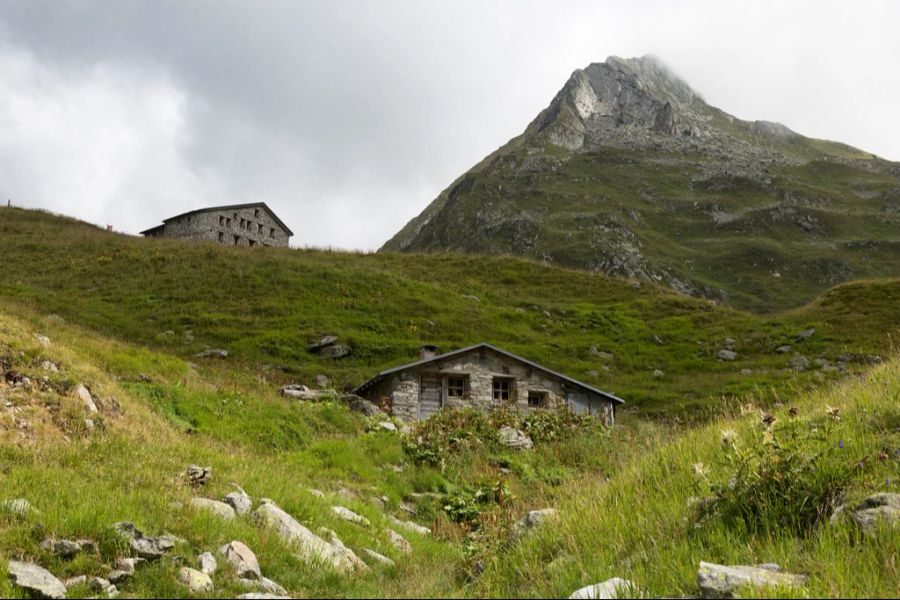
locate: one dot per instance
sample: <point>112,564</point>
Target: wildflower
<point>728,437</point>
<point>699,469</point>
<point>882,456</point>
<point>833,412</point>
<point>841,444</point>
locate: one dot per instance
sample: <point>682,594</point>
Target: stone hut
<point>482,377</point>
<point>234,225</point>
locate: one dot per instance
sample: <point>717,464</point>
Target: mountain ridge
<point>627,139</point>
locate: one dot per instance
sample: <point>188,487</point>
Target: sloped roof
<point>227,207</point>
<point>493,348</point>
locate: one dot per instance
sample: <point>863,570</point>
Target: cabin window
<point>501,389</point>
<point>271,232</point>
<point>227,222</point>
<point>256,213</point>
<point>221,237</point>
<point>221,220</point>
<point>260,230</point>
<point>252,242</point>
<point>456,387</point>
<point>237,239</point>
<point>537,399</point>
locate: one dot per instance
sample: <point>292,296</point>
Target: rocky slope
<point>630,172</point>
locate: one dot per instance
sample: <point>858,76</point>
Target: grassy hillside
<point>264,306</point>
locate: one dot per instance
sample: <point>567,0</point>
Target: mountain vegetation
<point>630,172</point>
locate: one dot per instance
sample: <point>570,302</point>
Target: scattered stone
<point>336,351</point>
<point>118,576</point>
<point>196,581</point>
<point>220,509</point>
<point>264,583</point>
<point>51,366</point>
<point>729,342</point>
<point>242,559</point>
<point>310,546</point>
<point>874,513</point>
<point>720,581</point>
<point>260,596</point>
<point>207,563</point>
<point>746,372</point>
<point>99,584</point>
<point>361,405</point>
<point>806,334</point>
<point>62,548</point>
<point>420,529</point>
<point>657,373</point>
<point>212,353</point>
<point>75,581</point>
<point>381,559</point>
<point>593,373</point>
<point>18,507</point>
<point>301,392</point>
<point>606,590</point>
<point>127,565</point>
<point>783,349</point>
<point>36,579</point>
<point>316,493</point>
<point>399,542</point>
<point>239,501</point>
<point>799,364</point>
<point>535,518</point>
<point>323,342</point>
<point>515,438</point>
<point>150,548</point>
<point>471,297</point>
<point>727,355</point>
<point>346,493</point>
<point>387,426</point>
<point>198,475</point>
<point>349,515</point>
<point>408,508</point>
<point>43,340</point>
<point>322,381</point>
<point>342,551</point>
<point>87,400</point>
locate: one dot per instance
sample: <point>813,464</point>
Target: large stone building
<point>482,377</point>
<point>235,225</point>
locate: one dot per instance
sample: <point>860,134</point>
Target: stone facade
<point>480,369</point>
<point>236,225</point>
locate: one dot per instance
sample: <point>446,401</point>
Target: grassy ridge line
<point>639,525</point>
<point>263,306</point>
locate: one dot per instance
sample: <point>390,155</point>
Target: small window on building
<point>501,389</point>
<point>271,232</point>
<point>256,213</point>
<point>237,239</point>
<point>221,237</point>
<point>260,230</point>
<point>537,399</point>
<point>221,220</point>
<point>252,242</point>
<point>456,387</point>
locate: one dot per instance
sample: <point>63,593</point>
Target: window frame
<point>457,391</point>
<point>497,391</point>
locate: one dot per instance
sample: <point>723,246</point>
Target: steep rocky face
<point>630,172</point>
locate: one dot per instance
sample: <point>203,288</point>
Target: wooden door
<point>429,395</point>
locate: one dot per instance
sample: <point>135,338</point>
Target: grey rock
<point>720,581</point>
<point>806,334</point>
<point>727,355</point>
<point>515,438</point>
<point>128,565</point>
<point>534,519</point>
<point>86,398</point>
<point>657,373</point>
<point>239,501</point>
<point>242,559</point>
<point>783,349</point>
<point>322,342</point>
<point>322,381</point>
<point>746,371</point>
<point>799,363</point>
<point>150,548</point>
<point>399,542</point>
<point>212,353</point>
<point>361,405</point>
<point>349,515</point>
<point>220,509</point>
<point>260,596</point>
<point>607,590</point>
<point>207,563</point>
<point>196,581</point>
<point>35,579</point>
<point>265,584</point>
<point>198,475</point>
<point>50,366</point>
<point>387,426</point>
<point>43,340</point>
<point>310,547</point>
<point>316,493</point>
<point>411,525</point>
<point>62,548</point>
<point>17,507</point>
<point>75,581</point>
<point>471,297</point>
<point>877,512</point>
<point>336,351</point>
<point>379,559</point>
<point>118,576</point>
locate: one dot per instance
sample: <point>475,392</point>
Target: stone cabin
<point>235,225</point>
<point>483,377</point>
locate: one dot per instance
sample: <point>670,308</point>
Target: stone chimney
<point>428,351</point>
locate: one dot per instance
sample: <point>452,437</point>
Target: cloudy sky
<point>349,117</point>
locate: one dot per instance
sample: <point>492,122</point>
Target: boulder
<point>726,355</point>
<point>127,565</point>
<point>399,542</point>
<point>322,342</point>
<point>876,512</point>
<point>118,576</point>
<point>301,392</point>
<point>87,400</point>
<point>64,548</point>
<point>310,547</point>
<point>196,581</point>
<point>379,559</point>
<point>150,548</point>
<point>342,551</point>
<point>534,519</point>
<point>420,529</point>
<point>198,475</point>
<point>242,559</point>
<point>515,438</point>
<point>239,501</point>
<point>349,515</point>
<point>361,405</point>
<point>611,588</point>
<point>220,509</point>
<point>720,581</point>
<point>207,563</point>
<point>35,579</point>
<point>212,353</point>
<point>336,351</point>
<point>266,585</point>
<point>799,363</point>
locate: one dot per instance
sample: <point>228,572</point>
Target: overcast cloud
<point>348,118</point>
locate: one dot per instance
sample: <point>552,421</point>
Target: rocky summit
<point>630,172</point>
